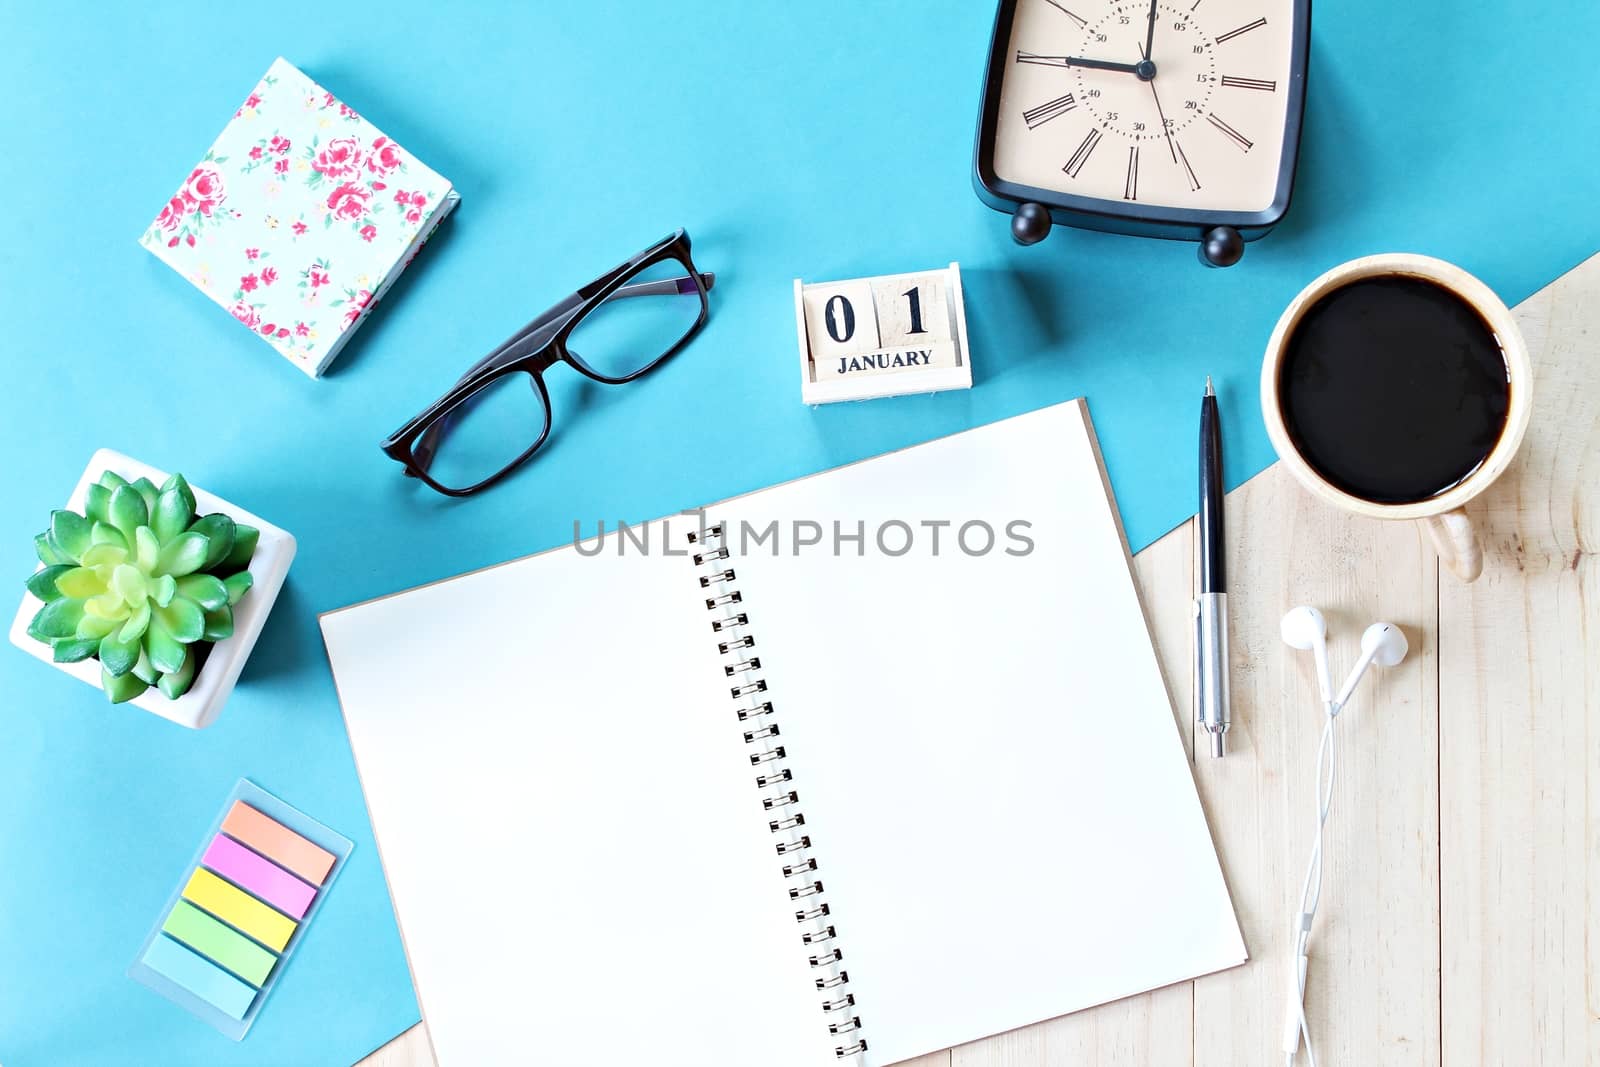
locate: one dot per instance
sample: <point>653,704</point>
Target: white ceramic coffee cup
<point>1442,516</point>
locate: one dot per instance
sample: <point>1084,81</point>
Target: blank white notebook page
<point>568,820</point>
<point>999,802</point>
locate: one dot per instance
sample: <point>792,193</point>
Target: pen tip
<point>1209,390</point>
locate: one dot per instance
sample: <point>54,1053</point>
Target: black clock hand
<point>1075,61</point>
<point>1150,32</point>
<point>1162,115</point>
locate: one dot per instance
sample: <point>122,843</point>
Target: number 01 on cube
<point>886,336</point>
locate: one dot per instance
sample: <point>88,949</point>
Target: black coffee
<point>1394,389</point>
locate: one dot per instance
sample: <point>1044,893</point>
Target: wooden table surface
<point>1459,922</point>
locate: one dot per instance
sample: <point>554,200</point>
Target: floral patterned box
<point>299,218</point>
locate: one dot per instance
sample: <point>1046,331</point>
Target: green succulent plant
<point>140,582</point>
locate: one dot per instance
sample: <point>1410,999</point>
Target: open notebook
<point>773,807</point>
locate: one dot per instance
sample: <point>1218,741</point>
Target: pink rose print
<point>279,145</point>
<point>328,100</point>
<point>383,157</point>
<point>313,277</point>
<point>349,201</point>
<point>245,314</point>
<point>281,167</point>
<point>269,329</point>
<point>172,215</point>
<point>368,233</point>
<point>190,240</point>
<point>402,197</point>
<point>299,228</point>
<point>283,331</point>
<point>254,100</point>
<point>358,304</point>
<point>203,191</point>
<point>251,253</point>
<point>302,330</point>
<point>340,158</point>
<point>255,153</point>
<point>414,212</point>
<point>248,282</point>
<point>269,275</point>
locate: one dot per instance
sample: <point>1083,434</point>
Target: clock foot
<point>1031,224</point>
<point>1220,246</point>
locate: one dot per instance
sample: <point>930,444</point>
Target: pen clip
<point>1195,699</point>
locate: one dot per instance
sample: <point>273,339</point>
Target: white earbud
<point>1305,628</point>
<point>1383,644</point>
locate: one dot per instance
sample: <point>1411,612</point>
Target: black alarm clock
<point>1177,119</point>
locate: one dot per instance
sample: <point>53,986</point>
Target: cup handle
<point>1456,542</point>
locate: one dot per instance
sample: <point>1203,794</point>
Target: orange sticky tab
<point>277,842</point>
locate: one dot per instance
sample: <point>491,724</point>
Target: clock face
<point>1197,124</point>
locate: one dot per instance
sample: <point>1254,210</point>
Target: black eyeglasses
<point>617,328</point>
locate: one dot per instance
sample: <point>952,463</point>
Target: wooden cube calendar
<point>885,336</point>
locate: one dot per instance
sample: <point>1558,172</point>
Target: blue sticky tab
<point>199,976</point>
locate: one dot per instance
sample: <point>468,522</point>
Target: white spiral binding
<point>742,666</point>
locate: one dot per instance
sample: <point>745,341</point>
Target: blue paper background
<point>822,140</point>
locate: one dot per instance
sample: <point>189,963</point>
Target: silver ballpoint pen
<point>1211,606</point>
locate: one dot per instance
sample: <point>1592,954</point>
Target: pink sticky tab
<point>259,877</point>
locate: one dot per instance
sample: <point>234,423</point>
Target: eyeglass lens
<point>638,324</point>
<point>486,432</point>
<point>633,329</point>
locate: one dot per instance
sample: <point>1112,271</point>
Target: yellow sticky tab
<point>239,909</point>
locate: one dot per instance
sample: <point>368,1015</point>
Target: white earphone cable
<point>1383,644</point>
<point>1311,886</point>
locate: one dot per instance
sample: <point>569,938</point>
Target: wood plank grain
<point>411,1049</point>
<point>1373,985</point>
<point>932,1059</point>
<point>1520,749</point>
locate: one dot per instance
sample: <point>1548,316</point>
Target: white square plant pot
<point>269,566</point>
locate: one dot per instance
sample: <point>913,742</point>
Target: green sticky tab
<point>220,943</point>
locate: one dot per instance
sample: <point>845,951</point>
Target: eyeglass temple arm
<point>682,286</point>
<point>537,333</point>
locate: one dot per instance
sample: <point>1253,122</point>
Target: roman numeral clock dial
<point>1178,118</point>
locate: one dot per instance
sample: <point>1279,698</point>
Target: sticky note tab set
<point>225,935</point>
